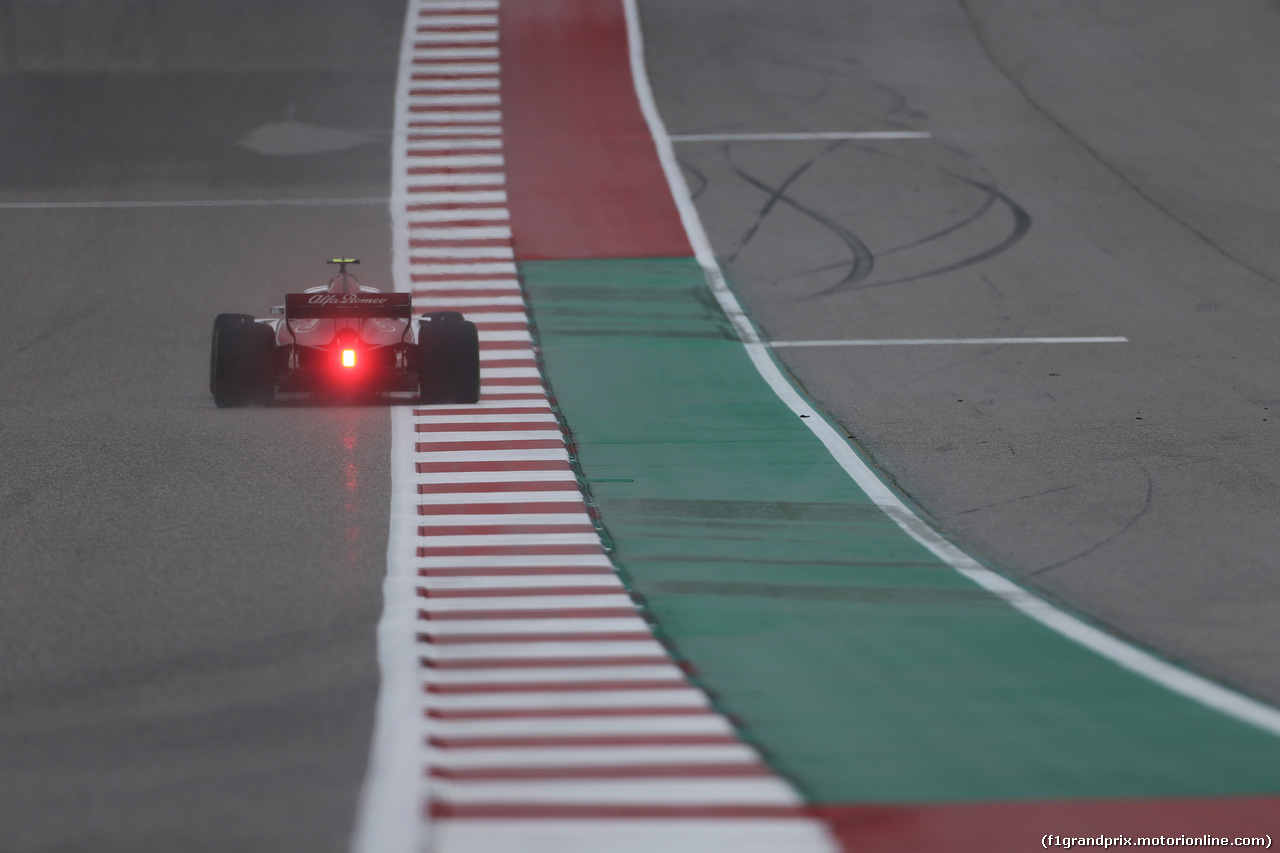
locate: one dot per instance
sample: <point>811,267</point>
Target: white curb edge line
<point>390,817</point>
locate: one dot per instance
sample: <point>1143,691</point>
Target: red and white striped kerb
<point>553,719</point>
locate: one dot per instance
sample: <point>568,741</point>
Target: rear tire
<point>448,359</point>
<point>242,362</point>
<point>221,321</point>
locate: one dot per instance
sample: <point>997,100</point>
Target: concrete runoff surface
<point>189,594</point>
<point>1095,169</point>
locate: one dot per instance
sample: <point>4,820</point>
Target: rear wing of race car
<point>347,306</point>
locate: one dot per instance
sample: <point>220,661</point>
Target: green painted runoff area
<point>863,667</point>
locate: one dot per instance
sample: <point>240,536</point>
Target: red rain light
<point>348,358</point>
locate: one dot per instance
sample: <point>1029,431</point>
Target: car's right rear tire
<point>448,359</point>
<point>242,362</point>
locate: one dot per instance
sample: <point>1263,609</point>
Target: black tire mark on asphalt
<point>1018,499</point>
<point>1021,225</point>
<point>862,260</point>
<point>774,194</point>
<point>1022,218</point>
<point>988,182</point>
<point>1146,505</point>
<point>694,172</point>
<point>988,202</point>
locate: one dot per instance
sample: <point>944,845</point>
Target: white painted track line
<point>426,69</point>
<point>573,700</point>
<point>435,21</point>
<point>548,626</point>
<point>498,283</point>
<point>459,197</point>
<point>509,519</point>
<point>428,10</point>
<point>649,792</point>
<point>514,300</point>
<point>455,179</point>
<point>543,416</point>
<point>484,232</point>
<point>516,560</point>
<point>462,53</point>
<point>526,602</point>
<point>447,436</point>
<point>525,582</point>
<point>427,36</point>
<point>419,134</point>
<point>418,217</point>
<point>433,541</point>
<point>483,317</point>
<point>462,456</point>
<point>499,404</point>
<point>595,756</point>
<point>456,478</point>
<point>504,268</point>
<point>546,649</point>
<point>533,727</point>
<point>552,674</point>
<point>455,84</point>
<point>459,117</point>
<point>459,498</point>
<point>431,9</point>
<point>448,100</point>
<point>458,160</point>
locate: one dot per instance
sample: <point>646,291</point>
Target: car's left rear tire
<point>242,362</point>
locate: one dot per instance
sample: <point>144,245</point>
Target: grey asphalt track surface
<point>1097,168</point>
<point>188,595</point>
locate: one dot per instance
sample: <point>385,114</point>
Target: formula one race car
<point>346,341</point>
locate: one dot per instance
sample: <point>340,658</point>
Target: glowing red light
<point>348,358</point>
